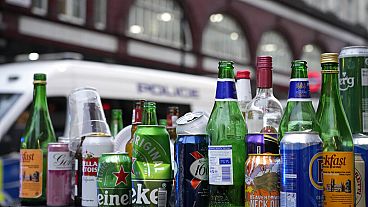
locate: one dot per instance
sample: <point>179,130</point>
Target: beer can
<point>262,180</point>
<point>301,170</point>
<point>360,197</point>
<point>59,174</point>
<point>353,78</point>
<point>152,176</point>
<point>258,143</point>
<point>191,158</point>
<point>361,147</point>
<point>114,185</point>
<point>92,148</point>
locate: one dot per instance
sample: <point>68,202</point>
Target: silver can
<point>359,181</point>
<point>92,149</point>
<point>193,123</point>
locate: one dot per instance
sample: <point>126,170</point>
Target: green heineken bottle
<point>33,148</point>
<point>338,155</point>
<point>116,123</point>
<point>226,151</point>
<point>299,115</point>
<point>151,162</point>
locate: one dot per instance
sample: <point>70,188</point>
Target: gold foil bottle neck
<point>329,58</point>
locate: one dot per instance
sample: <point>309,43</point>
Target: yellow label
<point>338,179</point>
<point>31,166</point>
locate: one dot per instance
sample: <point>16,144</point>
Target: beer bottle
<point>136,120</point>
<point>171,117</point>
<point>116,123</point>
<point>226,129</point>
<point>149,114</point>
<point>39,132</point>
<point>299,114</point>
<point>338,155</point>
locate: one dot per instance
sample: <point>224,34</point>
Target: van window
<point>6,101</point>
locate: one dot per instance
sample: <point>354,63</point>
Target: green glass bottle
<point>227,150</point>
<point>38,134</point>
<point>116,124</point>
<point>149,113</point>
<point>338,155</point>
<point>299,115</point>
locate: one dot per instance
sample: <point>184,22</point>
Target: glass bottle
<point>171,117</point>
<point>264,112</point>
<point>149,113</point>
<point>136,120</point>
<point>243,89</point>
<point>338,155</point>
<point>39,132</point>
<point>299,113</point>
<point>116,124</point>
<point>226,129</point>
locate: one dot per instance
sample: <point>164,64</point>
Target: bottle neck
<point>137,116</point>
<point>264,92</point>
<point>299,72</point>
<point>330,84</point>
<point>225,90</point>
<point>39,96</point>
<point>149,116</point>
<point>264,78</point>
<point>244,90</point>
<point>299,84</point>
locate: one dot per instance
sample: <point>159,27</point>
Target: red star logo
<point>121,176</point>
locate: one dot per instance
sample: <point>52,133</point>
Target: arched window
<point>311,53</point>
<point>159,22</point>
<point>223,38</point>
<point>275,45</point>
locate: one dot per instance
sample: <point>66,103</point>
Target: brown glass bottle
<point>171,117</point>
<point>136,120</point>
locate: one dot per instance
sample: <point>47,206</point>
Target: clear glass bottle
<point>299,115</point>
<point>226,129</point>
<point>264,112</point>
<point>243,89</point>
<point>38,134</point>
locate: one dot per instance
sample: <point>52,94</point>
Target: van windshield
<point>6,102</point>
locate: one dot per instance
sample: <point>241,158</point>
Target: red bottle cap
<point>243,74</point>
<point>264,72</point>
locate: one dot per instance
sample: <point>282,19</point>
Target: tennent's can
<point>114,185</point>
<point>258,143</point>
<point>92,149</point>
<point>360,198</point>
<point>301,170</point>
<point>262,180</point>
<point>191,158</point>
<point>361,147</point>
<point>59,174</point>
<point>152,176</point>
<point>353,63</point>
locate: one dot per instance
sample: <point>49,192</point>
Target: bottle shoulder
<point>261,103</point>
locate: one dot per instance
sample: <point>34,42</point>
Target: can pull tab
<point>189,117</point>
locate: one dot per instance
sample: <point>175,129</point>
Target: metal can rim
<point>264,154</point>
<point>300,132</point>
<point>194,134</point>
<point>200,114</point>
<point>344,54</point>
<point>55,143</point>
<point>115,153</point>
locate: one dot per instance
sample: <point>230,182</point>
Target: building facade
<point>188,36</point>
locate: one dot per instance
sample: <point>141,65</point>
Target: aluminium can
<point>361,147</point>
<point>360,198</point>
<point>59,174</point>
<point>114,185</point>
<point>191,156</point>
<point>262,180</point>
<point>152,176</point>
<point>92,148</point>
<point>353,78</point>
<point>259,143</point>
<point>301,170</point>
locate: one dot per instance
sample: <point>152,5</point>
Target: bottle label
<point>225,90</point>
<point>31,169</point>
<point>299,90</point>
<point>220,165</point>
<point>338,179</point>
<point>59,161</point>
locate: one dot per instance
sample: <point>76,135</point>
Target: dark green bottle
<point>299,115</point>
<point>338,155</point>
<point>116,124</point>
<point>149,114</point>
<point>226,129</point>
<point>38,134</point>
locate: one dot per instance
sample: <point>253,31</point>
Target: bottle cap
<point>264,62</point>
<point>264,72</point>
<point>329,58</point>
<point>243,74</point>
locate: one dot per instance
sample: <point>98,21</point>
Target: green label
<point>151,192</point>
<point>114,197</point>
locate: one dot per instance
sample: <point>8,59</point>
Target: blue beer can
<point>191,180</point>
<point>301,170</point>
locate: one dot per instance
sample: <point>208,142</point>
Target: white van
<point>118,86</point>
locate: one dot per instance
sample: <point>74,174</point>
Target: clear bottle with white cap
<point>243,89</point>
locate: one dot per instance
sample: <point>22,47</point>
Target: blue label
<point>363,151</point>
<point>225,89</point>
<point>299,88</point>
<point>301,175</point>
<point>225,161</point>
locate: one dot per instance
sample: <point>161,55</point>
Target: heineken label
<point>225,90</point>
<point>299,89</point>
<point>151,192</point>
<point>114,197</point>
